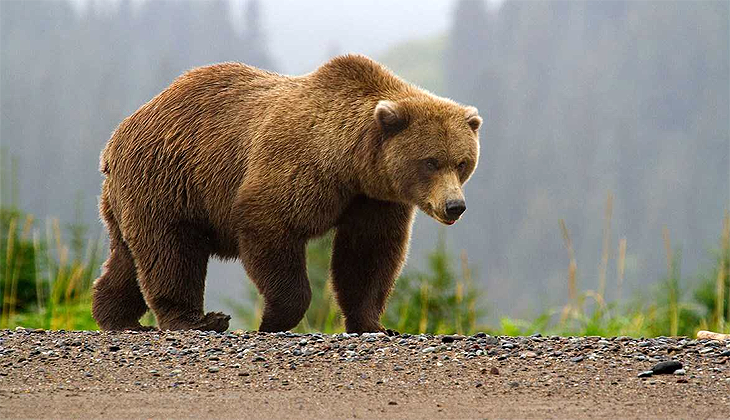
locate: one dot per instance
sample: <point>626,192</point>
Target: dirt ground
<point>192,374</point>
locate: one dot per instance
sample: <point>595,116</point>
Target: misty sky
<point>302,34</point>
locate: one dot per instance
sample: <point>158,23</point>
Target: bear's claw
<point>391,333</point>
<point>212,321</point>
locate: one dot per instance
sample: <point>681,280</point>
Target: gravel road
<point>193,374</point>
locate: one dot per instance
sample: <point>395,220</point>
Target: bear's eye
<point>432,164</point>
<point>461,166</point>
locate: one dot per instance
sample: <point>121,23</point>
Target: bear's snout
<point>454,208</point>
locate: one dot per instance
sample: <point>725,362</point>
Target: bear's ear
<point>390,116</point>
<point>473,118</point>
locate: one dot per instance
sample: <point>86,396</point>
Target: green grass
<point>53,291</point>
<point>47,278</point>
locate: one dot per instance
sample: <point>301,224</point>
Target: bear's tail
<point>103,164</point>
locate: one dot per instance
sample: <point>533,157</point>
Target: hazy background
<point>580,99</point>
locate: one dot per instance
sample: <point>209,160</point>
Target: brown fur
<point>236,162</point>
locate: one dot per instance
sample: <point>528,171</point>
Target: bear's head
<point>430,147</point>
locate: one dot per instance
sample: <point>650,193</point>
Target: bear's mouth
<point>429,210</point>
<point>447,222</point>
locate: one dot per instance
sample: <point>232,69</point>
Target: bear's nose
<point>454,208</point>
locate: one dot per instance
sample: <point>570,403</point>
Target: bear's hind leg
<point>172,269</point>
<point>117,302</point>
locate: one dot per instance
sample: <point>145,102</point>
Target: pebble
<point>667,367</point>
<point>218,353</point>
<point>491,340</point>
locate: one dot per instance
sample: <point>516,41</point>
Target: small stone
<point>536,335</point>
<point>577,359</point>
<point>682,381</point>
<point>114,348</point>
<point>213,369</point>
<point>666,367</point>
<point>494,370</point>
<point>646,374</point>
<point>528,355</point>
<point>514,384</point>
<point>392,403</point>
<point>726,353</point>
<point>428,350</point>
<point>680,372</point>
<point>447,339</point>
<point>491,341</point>
<point>397,367</point>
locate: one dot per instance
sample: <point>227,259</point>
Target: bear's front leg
<point>370,248</point>
<point>278,268</point>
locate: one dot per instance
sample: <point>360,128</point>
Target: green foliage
<point>436,301</point>
<point>433,301</point>
<point>323,314</point>
<point>713,292</point>
<point>17,261</point>
<point>670,313</point>
<point>55,290</point>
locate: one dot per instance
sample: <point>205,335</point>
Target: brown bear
<point>236,162</point>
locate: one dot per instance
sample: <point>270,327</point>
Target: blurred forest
<point>580,100</point>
